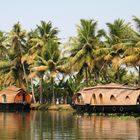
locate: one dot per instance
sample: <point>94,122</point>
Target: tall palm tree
<point>132,52</point>
<point>82,48</point>
<point>47,63</point>
<point>44,51</point>
<point>3,56</point>
<point>119,35</point>
<point>15,71</point>
<point>3,48</point>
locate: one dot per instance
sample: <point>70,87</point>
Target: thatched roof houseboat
<point>13,98</point>
<point>109,98</point>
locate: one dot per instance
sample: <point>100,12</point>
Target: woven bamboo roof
<point>13,94</point>
<point>112,86</point>
<point>12,90</point>
<point>110,94</point>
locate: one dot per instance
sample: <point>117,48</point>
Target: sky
<point>65,14</point>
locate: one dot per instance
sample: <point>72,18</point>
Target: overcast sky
<point>65,14</point>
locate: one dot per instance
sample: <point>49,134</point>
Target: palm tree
<point>132,51</point>
<point>44,52</point>
<point>82,48</point>
<point>12,67</point>
<point>47,63</point>
<point>3,55</point>
<point>115,45</point>
<point>3,49</point>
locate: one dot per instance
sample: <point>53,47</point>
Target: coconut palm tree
<point>3,49</point>
<point>18,42</point>
<point>12,67</point>
<point>115,45</point>
<point>3,55</point>
<point>47,63</point>
<point>132,51</point>
<point>82,48</point>
<point>44,52</point>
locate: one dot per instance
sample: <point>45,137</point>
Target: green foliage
<point>90,58</point>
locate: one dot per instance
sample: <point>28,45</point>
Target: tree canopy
<point>39,62</point>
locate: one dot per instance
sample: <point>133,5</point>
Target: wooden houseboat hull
<point>14,107</point>
<point>107,108</point>
<point>111,98</point>
<point>14,99</point>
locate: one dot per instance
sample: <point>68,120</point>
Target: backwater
<point>66,125</point>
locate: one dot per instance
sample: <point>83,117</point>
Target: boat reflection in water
<point>100,127</point>
<point>55,125</point>
<point>14,126</point>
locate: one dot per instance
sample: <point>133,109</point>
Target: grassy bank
<point>38,106</point>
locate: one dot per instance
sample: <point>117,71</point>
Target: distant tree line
<point>38,62</point>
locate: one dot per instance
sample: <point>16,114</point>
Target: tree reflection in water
<point>56,125</point>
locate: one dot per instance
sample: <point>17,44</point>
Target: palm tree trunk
<point>18,83</point>
<point>53,98</point>
<point>139,77</point>
<point>24,71</point>
<point>89,76</point>
<point>96,76</point>
<point>33,93</point>
<point>118,75</point>
<point>41,89</point>
<point>86,71</point>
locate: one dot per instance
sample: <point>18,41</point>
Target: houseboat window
<point>127,98</point>
<point>23,97</point>
<point>4,98</point>
<point>101,98</point>
<point>112,98</point>
<point>79,98</point>
<point>94,97</point>
<point>93,100</point>
<point>138,100</point>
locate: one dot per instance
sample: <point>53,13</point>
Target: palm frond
<point>116,61</point>
<point>4,64</point>
<point>129,59</point>
<point>40,68</point>
<point>32,75</point>
<point>137,22</point>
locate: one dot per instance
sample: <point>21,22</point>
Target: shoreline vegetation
<point>52,71</point>
<point>49,107</point>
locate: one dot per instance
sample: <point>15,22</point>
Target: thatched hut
<point>14,94</point>
<point>111,94</point>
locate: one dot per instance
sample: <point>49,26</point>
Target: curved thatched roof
<point>111,94</point>
<point>112,86</point>
<point>10,93</point>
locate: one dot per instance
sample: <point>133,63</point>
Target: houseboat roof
<point>110,94</point>
<point>113,86</point>
<point>14,94</point>
<point>12,90</point>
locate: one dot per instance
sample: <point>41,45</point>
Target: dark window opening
<point>101,98</point>
<point>138,100</point>
<point>4,98</point>
<point>23,97</point>
<point>112,98</point>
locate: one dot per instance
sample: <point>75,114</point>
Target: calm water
<point>39,125</point>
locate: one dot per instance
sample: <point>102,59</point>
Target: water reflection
<point>53,125</point>
<point>39,125</point>
<point>100,127</point>
<point>14,126</point>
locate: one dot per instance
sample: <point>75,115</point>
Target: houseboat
<point>14,99</point>
<point>111,98</point>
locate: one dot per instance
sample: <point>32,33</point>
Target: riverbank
<point>38,106</point>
